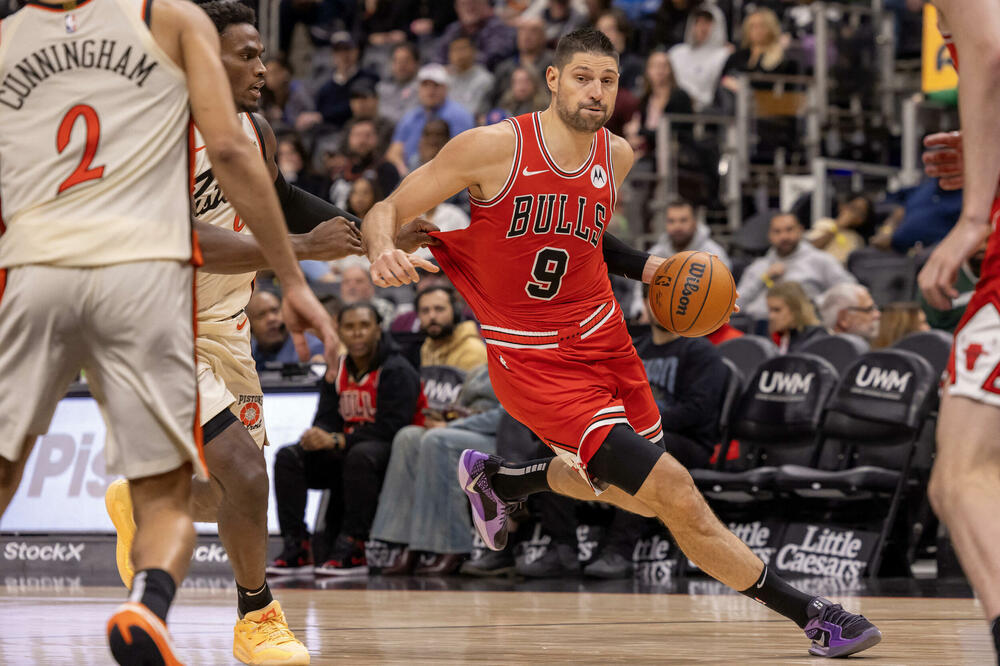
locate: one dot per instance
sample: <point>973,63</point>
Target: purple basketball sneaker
<point>836,632</point>
<point>489,512</point>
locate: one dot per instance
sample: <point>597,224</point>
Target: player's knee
<point>939,492</point>
<point>251,484</point>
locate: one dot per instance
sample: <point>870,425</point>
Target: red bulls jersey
<point>358,399</point>
<point>530,264</point>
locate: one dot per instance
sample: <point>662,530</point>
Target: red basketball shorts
<point>974,366</point>
<point>572,394</point>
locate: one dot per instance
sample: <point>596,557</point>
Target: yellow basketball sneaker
<point>118,501</point>
<point>263,637</point>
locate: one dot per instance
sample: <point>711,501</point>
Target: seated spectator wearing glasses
<point>791,317</point>
<point>271,342</point>
<point>850,308</point>
<point>790,260</point>
<point>688,378</point>
<point>363,403</point>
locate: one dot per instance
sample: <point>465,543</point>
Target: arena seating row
<point>819,444</point>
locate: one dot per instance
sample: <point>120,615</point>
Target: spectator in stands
<point>688,379</point>
<point>698,61</point>
<point>531,54</point>
<point>363,403</point>
<point>293,164</point>
<point>434,103</point>
<point>450,340</point>
<point>671,19</point>
<point>356,286</point>
<point>761,51</point>
<point>850,308</point>
<point>660,95</point>
<point>271,342</point>
<point>365,193</point>
<point>791,317</point>
<point>398,93</point>
<point>385,22</point>
<point>283,98</point>
<point>788,259</point>
<point>494,39</point>
<point>561,17</point>
<point>615,25</point>
<point>925,216</point>
<point>333,98</point>
<point>842,235</point>
<point>470,83</point>
<point>363,160</point>
<point>525,93</point>
<point>682,231</point>
<point>898,321</point>
<point>365,106</point>
<point>421,506</point>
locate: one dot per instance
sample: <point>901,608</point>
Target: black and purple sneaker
<point>836,632</point>
<point>489,512</point>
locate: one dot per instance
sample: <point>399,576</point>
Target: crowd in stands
<point>362,93</point>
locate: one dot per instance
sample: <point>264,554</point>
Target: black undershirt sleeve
<point>304,211</point>
<point>622,259</point>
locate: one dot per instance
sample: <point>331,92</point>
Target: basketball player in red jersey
<point>965,482</point>
<point>533,265</point>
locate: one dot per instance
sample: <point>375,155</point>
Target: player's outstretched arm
<point>240,173</point>
<point>227,252</point>
<point>479,158</point>
<point>975,27</point>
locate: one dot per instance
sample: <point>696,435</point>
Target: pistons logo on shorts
<point>250,414</point>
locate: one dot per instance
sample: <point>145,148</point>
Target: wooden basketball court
<point>365,626</point>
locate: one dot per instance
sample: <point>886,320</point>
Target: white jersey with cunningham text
<point>94,138</point>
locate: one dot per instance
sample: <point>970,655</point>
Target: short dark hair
<point>679,202</point>
<point>447,291</point>
<point>583,40</point>
<point>409,46</point>
<point>225,13</point>
<point>360,305</point>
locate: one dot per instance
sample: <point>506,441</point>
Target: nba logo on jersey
<point>598,178</point>
<point>70,23</point>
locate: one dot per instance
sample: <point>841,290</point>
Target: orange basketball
<point>692,293</point>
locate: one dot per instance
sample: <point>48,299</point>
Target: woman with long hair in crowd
<point>791,317</point>
<point>660,95</point>
<point>761,50</point>
<point>898,321</point>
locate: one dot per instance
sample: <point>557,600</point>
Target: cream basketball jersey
<point>94,164</point>
<point>219,296</point>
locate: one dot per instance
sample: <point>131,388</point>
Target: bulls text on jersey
<point>36,68</point>
<point>554,213</point>
<point>356,407</point>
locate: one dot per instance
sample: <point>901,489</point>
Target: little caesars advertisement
<point>821,550</point>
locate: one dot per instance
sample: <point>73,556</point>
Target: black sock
<point>995,628</point>
<point>154,589</point>
<point>253,600</point>
<point>515,481</point>
<point>780,597</point>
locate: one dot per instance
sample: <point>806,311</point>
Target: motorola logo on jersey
<point>556,214</point>
<point>598,177</point>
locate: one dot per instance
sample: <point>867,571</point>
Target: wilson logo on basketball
<point>691,284</point>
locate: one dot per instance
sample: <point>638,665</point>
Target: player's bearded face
<point>580,114</point>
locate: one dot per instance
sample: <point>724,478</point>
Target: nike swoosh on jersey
<point>239,326</point>
<point>525,172</point>
<point>199,148</point>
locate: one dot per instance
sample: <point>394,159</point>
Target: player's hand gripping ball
<point>692,293</point>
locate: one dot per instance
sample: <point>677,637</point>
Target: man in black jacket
<point>362,404</point>
<point>688,377</point>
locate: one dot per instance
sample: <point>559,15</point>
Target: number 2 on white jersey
<point>83,171</point>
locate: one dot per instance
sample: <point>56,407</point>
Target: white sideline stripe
<point>511,331</point>
<point>514,345</point>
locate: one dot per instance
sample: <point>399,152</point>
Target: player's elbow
<point>228,150</point>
